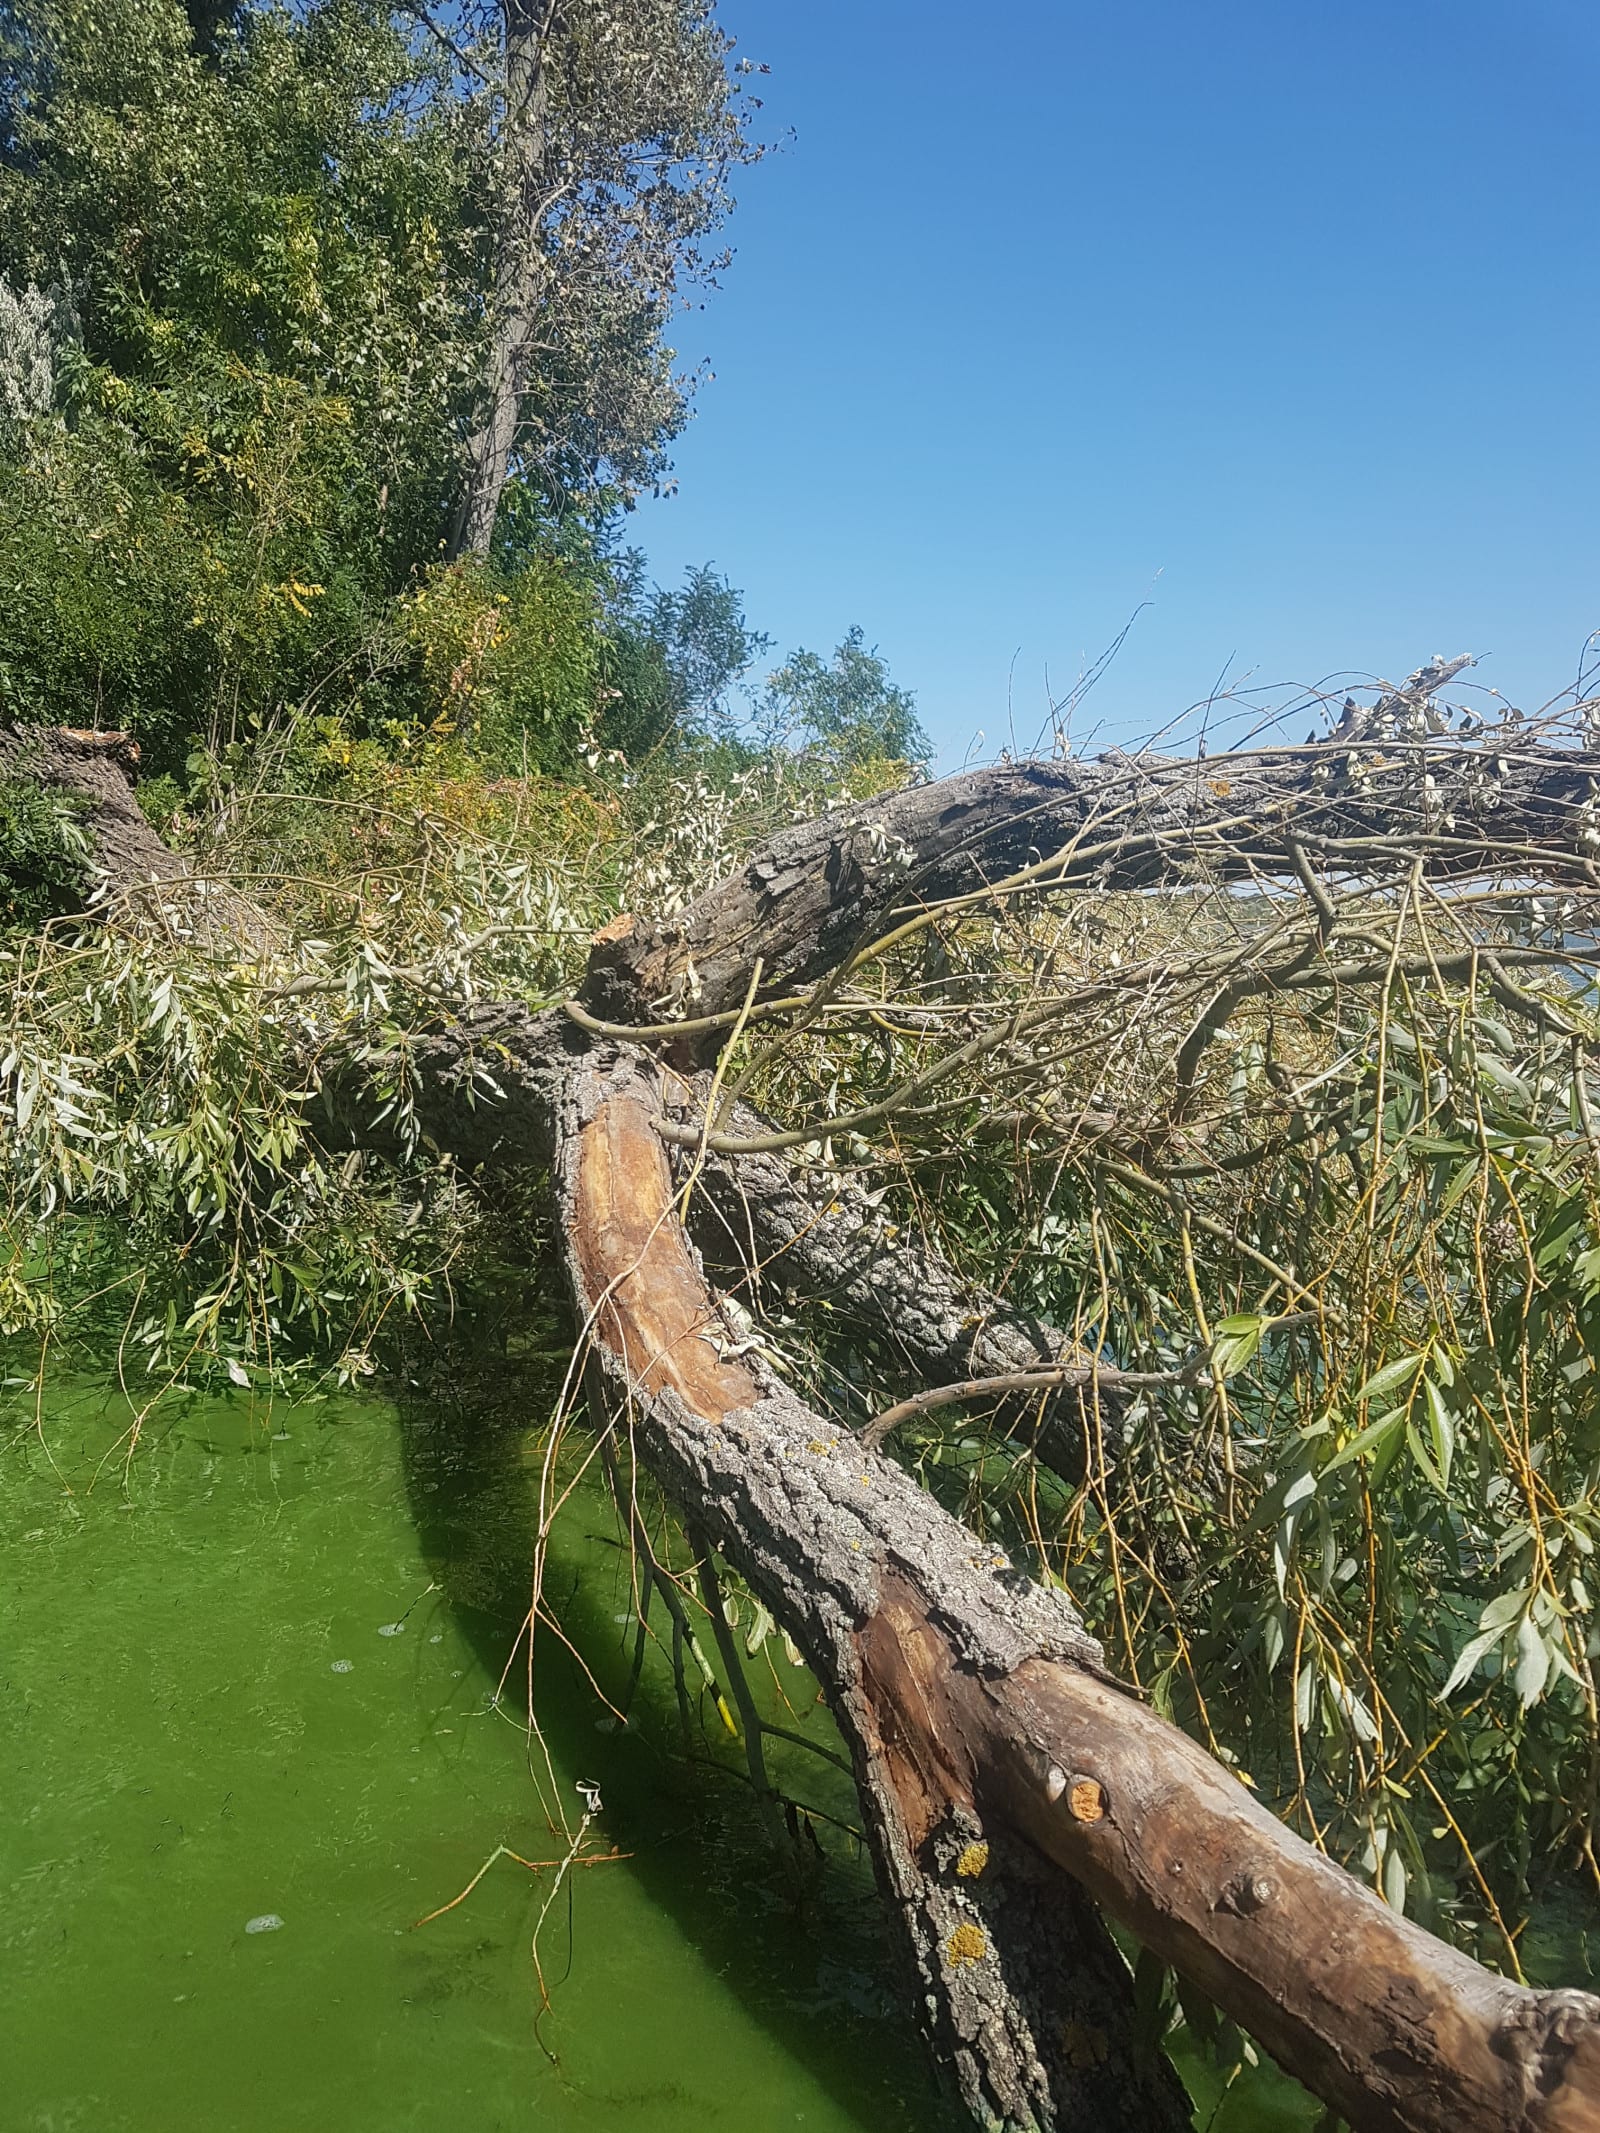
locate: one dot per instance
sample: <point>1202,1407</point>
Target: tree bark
<point>976,1712</point>
<point>760,1227</point>
<point>521,272</point>
<point>1022,1993</point>
<point>819,891</point>
<point>141,877</point>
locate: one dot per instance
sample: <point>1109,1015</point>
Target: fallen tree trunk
<point>819,891</point>
<point>139,875</point>
<point>1001,1773</point>
<point>976,1714</point>
<point>1020,1989</point>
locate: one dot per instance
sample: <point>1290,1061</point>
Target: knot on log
<point>1247,1894</point>
<point>1541,2035</point>
<point>1084,1797</point>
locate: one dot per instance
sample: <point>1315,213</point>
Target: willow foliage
<point>1320,1157</point>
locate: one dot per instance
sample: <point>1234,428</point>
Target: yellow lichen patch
<point>966,1945</point>
<point>1082,2043</point>
<point>972,1861</point>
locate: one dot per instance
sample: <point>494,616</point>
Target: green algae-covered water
<point>251,1736</point>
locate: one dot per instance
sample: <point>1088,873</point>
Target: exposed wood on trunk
<point>1022,1992</point>
<point>972,1716</point>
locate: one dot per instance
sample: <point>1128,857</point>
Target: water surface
<point>251,1684</point>
<point>252,1734</point>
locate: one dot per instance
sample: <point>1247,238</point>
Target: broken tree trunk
<point>1001,1773</point>
<point>139,876</point>
<point>976,1714</point>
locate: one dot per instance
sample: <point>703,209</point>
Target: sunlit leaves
<point>1350,1540</point>
<point>1235,1341</point>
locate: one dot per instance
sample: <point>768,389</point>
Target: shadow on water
<point>815,1967</point>
<point>472,1418</point>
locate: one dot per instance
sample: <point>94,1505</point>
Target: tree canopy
<point>248,323</point>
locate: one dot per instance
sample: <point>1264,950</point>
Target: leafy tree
<point>615,126</point>
<point>288,234</point>
<point>673,657</point>
<point>270,253</point>
<point>847,704</point>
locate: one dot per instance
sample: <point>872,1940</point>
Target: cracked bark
<point>142,878</point>
<point>817,891</point>
<point>975,1712</point>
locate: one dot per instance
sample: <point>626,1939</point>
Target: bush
<point>508,662</point>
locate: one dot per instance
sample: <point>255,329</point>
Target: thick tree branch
<point>763,1227</point>
<point>820,891</point>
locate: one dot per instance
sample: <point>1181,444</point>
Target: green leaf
<point>1304,1691</point>
<point>1503,1078</point>
<point>1423,1455</point>
<point>1392,1374</point>
<point>1559,1230</point>
<point>1394,1879</point>
<point>1533,1663</point>
<point>1468,1657</point>
<point>1465,1178</point>
<point>1504,1609</point>
<point>1272,1637</point>
<point>1235,1341</point>
<point>1442,1429</point>
<point>1371,1442</point>
<point>1300,1490</point>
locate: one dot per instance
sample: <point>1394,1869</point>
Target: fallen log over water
<point>1008,1786</point>
<point>977,1714</point>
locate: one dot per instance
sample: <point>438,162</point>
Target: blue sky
<point>1282,316</point>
